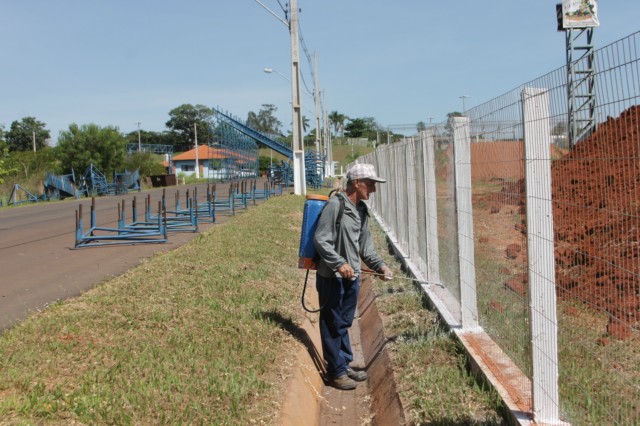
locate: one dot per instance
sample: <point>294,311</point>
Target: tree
<point>5,169</point>
<point>310,139</point>
<point>337,121</point>
<point>80,146</point>
<point>362,127</point>
<point>448,127</point>
<point>421,126</point>
<point>265,121</point>
<point>183,119</point>
<point>264,163</point>
<point>4,147</point>
<point>20,135</point>
<point>146,163</point>
<point>34,163</point>
<point>559,129</point>
<point>149,138</point>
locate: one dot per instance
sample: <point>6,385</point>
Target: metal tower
<point>580,83</point>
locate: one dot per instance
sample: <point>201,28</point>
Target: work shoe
<point>343,382</point>
<point>358,376</point>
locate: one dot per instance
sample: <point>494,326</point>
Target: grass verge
<point>432,378</point>
<point>198,336</point>
<point>192,336</point>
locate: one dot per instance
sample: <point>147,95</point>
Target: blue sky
<point>121,62</point>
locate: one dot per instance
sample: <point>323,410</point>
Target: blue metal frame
<point>123,234</point>
<point>253,134</point>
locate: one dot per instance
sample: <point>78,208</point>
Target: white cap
<point>363,171</point>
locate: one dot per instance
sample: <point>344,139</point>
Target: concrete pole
<point>139,145</point>
<point>195,132</point>
<point>316,98</point>
<point>299,176</point>
<point>34,140</point>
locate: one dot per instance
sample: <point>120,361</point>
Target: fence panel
<point>597,230</point>
<point>596,235</point>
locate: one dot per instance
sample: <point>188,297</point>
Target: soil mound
<point>596,203</point>
<point>597,224</point>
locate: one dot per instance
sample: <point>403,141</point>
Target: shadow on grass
<point>299,334</point>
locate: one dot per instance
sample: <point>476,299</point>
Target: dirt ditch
<point>310,401</point>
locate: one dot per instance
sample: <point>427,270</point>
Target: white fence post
<point>432,256</point>
<point>541,259</point>
<point>466,253</point>
<point>412,207</point>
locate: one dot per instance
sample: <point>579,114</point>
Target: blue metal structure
<point>155,228</point>
<point>153,148</point>
<point>135,233</point>
<point>94,182</point>
<point>60,187</point>
<point>259,137</point>
<point>314,161</point>
<point>281,173</point>
<point>127,181</point>
<point>206,208</point>
<point>179,219</point>
<point>314,168</point>
<point>19,195</point>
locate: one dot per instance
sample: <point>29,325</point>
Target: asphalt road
<point>38,262</point>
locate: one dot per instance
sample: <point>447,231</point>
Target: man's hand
<point>386,273</point>
<point>346,271</point>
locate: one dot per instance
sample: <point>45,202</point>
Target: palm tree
<point>305,123</point>
<point>337,120</point>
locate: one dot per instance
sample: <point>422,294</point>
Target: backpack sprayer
<point>307,254</point>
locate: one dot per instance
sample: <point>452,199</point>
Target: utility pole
<point>299,175</point>
<point>33,132</point>
<point>139,145</point>
<point>328,143</point>
<point>316,98</point>
<point>195,137</point>
<point>464,108</point>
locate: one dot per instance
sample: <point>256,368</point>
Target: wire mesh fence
<point>510,216</point>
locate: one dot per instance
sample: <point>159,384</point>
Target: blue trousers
<point>338,299</point>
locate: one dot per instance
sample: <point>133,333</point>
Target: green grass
<point>599,375</point>
<point>192,336</point>
<point>598,381</point>
<point>199,336</point>
<point>433,381</point>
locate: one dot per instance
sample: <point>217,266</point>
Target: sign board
<point>579,14</point>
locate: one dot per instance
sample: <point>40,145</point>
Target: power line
<point>309,61</point>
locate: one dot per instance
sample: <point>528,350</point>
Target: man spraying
<point>343,239</point>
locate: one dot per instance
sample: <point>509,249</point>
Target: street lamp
<point>271,71</point>
<point>299,176</point>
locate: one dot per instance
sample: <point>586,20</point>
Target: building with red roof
<point>216,162</point>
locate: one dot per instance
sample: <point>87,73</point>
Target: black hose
<point>304,290</point>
